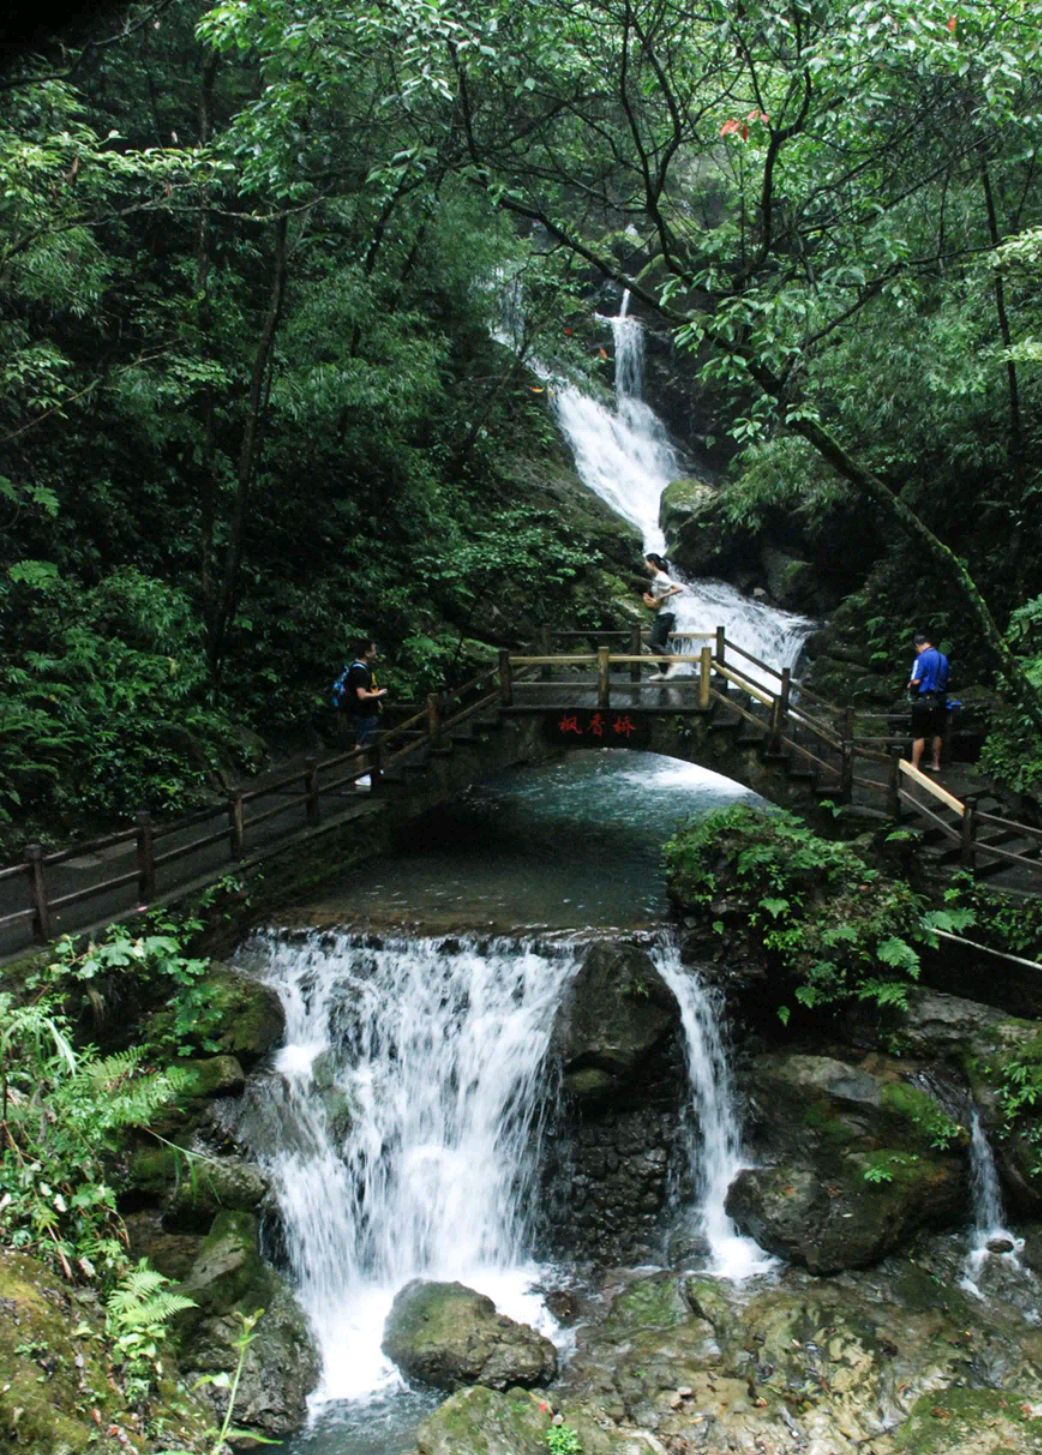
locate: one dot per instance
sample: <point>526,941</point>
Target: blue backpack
<point>338,692</point>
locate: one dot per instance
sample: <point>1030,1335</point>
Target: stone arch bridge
<point>719,707</point>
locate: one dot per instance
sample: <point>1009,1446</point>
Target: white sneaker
<point>364,782</point>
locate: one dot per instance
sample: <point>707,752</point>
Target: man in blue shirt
<point>928,685</point>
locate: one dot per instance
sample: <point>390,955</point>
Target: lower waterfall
<point>714,1129</point>
<point>403,1126</point>
<point>413,1107</point>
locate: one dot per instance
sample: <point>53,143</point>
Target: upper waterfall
<point>625,455</point>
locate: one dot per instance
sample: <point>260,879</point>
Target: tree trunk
<point>249,453</point>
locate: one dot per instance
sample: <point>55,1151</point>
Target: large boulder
<point>793,583</point>
<point>229,1280</point>
<point>191,1187</point>
<point>447,1335</point>
<point>480,1421</point>
<point>860,1159</point>
<point>617,1023</point>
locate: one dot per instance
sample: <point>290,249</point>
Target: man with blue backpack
<point>928,688</point>
<point>356,690</point>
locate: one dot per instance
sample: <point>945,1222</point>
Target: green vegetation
<point>563,1440</point>
<point>257,275</point>
<point>838,928</point>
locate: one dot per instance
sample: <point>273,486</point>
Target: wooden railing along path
<point>785,721</point>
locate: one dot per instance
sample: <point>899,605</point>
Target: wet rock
<point>800,1364</point>
<point>480,1421</point>
<point>171,1253</point>
<point>192,1188</point>
<point>967,1422</point>
<point>448,1335</point>
<point>563,1305</point>
<point>210,1076</point>
<point>251,1022</point>
<point>230,1279</point>
<point>619,1016</point>
<point>793,583</point>
<point>850,1219</point>
<point>862,1158</point>
<point>682,504</point>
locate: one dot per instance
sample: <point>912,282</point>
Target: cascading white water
<point>426,1166</point>
<point>715,1132</point>
<point>989,1228</point>
<point>626,457</point>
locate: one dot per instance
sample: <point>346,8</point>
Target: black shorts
<point>929,719</point>
<point>365,729</point>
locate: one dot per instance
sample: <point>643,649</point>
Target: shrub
<point>839,929</point>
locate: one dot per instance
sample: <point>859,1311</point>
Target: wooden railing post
<point>42,925</point>
<point>893,785</point>
<point>846,772</point>
<point>312,805</point>
<point>635,646</point>
<point>968,835</point>
<point>705,676</point>
<point>780,710</point>
<point>721,645</point>
<point>146,858</point>
<point>434,718</point>
<point>603,676</point>
<point>506,681</point>
<point>543,642</point>
<point>236,826</point>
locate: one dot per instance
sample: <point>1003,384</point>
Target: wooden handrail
<point>925,781</point>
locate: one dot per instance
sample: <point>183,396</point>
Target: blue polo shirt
<point>930,668</point>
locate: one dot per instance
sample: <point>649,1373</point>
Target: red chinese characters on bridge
<point>597,725</point>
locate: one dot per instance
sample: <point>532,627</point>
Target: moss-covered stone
<point>191,1189</point>
<point>251,1022</point>
<point>657,1301</point>
<point>970,1422</point>
<point>851,1212</point>
<point>480,1421</point>
<point>57,1392</point>
<point>447,1335</point>
<point>230,1279</point>
<point>208,1077</point>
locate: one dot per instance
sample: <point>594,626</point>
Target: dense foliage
<point>838,928</point>
<point>254,265</point>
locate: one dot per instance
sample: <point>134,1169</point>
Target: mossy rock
<point>656,1302</point>
<point>970,1422</point>
<point>229,1280</point>
<point>447,1335</point>
<point>191,1189</point>
<point>852,1213</point>
<point>480,1421</point>
<point>208,1077</point>
<point>53,1377</point>
<point>682,503</point>
<point>252,1022</point>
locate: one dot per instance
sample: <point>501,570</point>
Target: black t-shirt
<point>359,675</point>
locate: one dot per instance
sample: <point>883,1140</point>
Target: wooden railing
<point>793,723</point>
